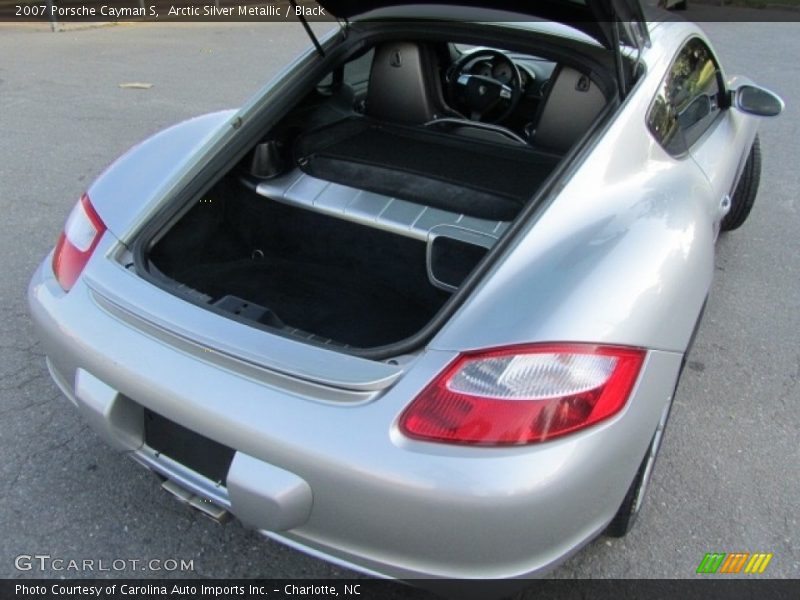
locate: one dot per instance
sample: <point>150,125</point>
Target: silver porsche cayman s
<point>420,307</point>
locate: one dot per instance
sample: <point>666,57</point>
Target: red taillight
<point>80,237</point>
<point>523,395</point>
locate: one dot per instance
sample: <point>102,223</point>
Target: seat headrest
<point>571,104</point>
<point>400,84</point>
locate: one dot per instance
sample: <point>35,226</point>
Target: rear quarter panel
<point>123,193</point>
<point>624,254</point>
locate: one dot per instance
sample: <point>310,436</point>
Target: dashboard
<point>534,76</point>
<point>535,72</point>
<point>501,71</point>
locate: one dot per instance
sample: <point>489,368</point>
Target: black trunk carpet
<point>332,301</point>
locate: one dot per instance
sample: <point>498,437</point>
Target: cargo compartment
<point>354,233</point>
<point>297,271</point>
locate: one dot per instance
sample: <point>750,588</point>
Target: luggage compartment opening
<point>350,225</point>
<point>306,274</point>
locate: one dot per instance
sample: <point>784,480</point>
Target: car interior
<point>356,217</point>
<point>404,134</point>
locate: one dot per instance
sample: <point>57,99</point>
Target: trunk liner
<point>333,301</point>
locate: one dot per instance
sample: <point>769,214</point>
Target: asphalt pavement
<point>727,479</point>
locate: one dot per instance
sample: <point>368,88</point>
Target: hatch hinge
<point>618,63</point>
<point>307,27</point>
<point>344,26</point>
<point>638,63</point>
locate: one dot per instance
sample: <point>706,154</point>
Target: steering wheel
<point>484,97</point>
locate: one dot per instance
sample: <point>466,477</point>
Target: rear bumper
<point>336,479</point>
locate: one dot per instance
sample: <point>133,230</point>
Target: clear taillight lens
<point>523,395</point>
<point>80,237</point>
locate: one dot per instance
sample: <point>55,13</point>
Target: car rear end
<point>374,463</point>
<point>307,444</point>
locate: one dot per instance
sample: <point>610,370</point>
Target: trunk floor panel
<point>332,301</point>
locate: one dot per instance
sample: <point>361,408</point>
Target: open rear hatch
<point>607,21</point>
<point>360,245</point>
<point>353,232</point>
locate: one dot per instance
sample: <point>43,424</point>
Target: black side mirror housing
<point>755,100</point>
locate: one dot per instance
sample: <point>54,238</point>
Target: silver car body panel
<point>623,254</point>
<point>391,504</point>
<point>123,195</point>
<point>375,210</point>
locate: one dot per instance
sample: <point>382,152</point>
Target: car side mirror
<point>755,100</point>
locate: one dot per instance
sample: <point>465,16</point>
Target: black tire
<point>626,515</point>
<point>683,5</point>
<point>745,195</point>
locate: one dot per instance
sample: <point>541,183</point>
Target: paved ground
<point>728,478</point>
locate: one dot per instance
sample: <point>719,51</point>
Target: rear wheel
<point>629,509</point>
<point>745,195</point>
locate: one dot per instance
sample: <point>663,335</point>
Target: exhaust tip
<point>203,505</point>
